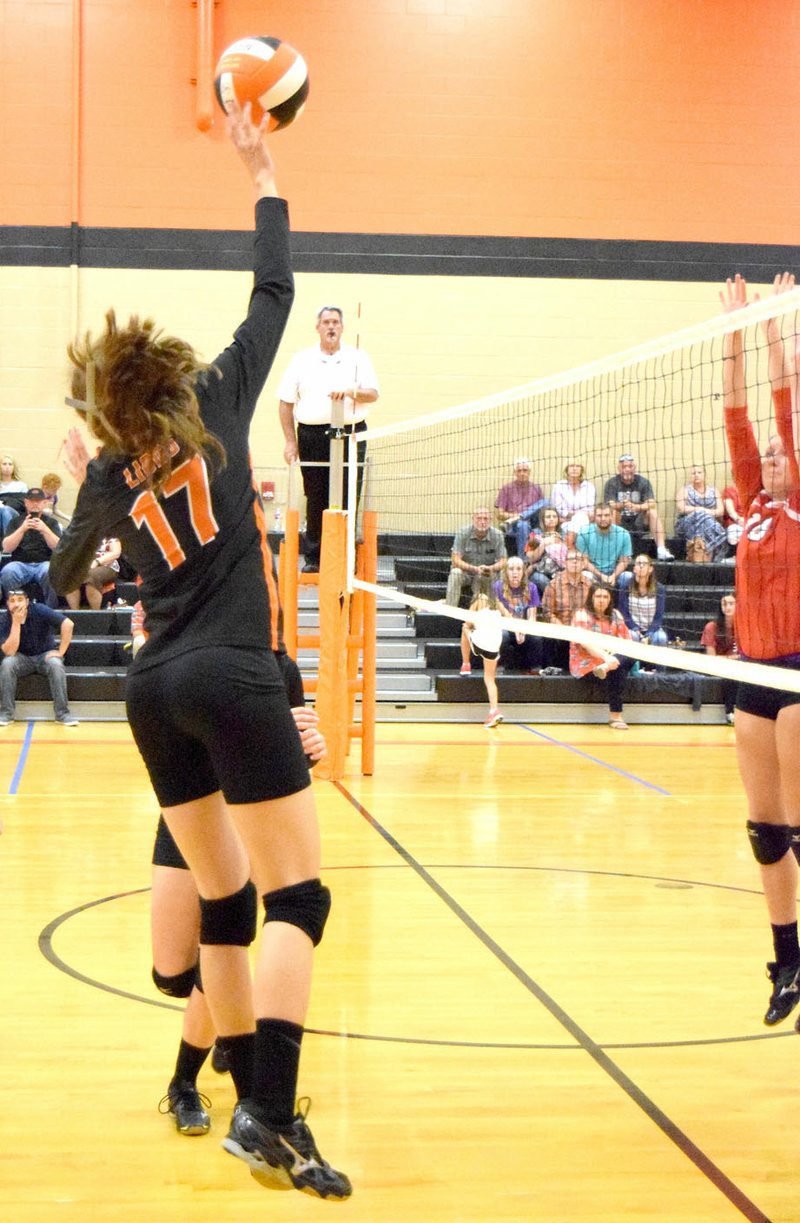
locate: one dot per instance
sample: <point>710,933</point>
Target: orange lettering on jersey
<point>147,463</point>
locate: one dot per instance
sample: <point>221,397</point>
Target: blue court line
<point>23,756</point>
<point>604,764</point>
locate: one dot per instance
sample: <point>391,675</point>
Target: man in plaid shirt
<point>562,598</point>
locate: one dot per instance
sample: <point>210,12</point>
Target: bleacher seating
<point>421,566</point>
<point>99,656</point>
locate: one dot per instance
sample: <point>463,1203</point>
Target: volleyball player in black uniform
<point>175,929</point>
<point>205,700</point>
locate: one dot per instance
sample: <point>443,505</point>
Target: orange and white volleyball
<point>267,73</point>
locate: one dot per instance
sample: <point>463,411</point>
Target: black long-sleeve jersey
<point>200,546</point>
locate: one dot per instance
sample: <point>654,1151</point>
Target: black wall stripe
<point>397,254</point>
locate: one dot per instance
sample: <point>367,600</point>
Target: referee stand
<point>346,638</point>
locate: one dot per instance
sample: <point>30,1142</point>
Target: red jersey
<point>768,554</point>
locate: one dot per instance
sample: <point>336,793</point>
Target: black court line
<point>651,1110</point>
<point>51,955</point>
<point>562,870</point>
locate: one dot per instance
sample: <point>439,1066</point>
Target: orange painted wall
<point>642,119</point>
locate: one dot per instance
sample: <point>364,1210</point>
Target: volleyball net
<point>661,403</point>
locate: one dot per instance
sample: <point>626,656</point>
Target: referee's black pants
<point>314,446</point>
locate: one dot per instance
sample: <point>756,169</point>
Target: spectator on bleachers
<point>483,636</point>
<point>719,637</point>
<point>28,646</point>
<point>734,517</point>
<point>546,551</point>
<point>518,504</point>
<point>30,539</point>
<point>51,483</point>
<point>600,616</point>
<point>642,603</point>
<point>479,553</point>
<point>101,578</point>
<point>700,513</point>
<point>607,548</point>
<point>565,595</point>
<point>11,490</point>
<point>519,598</point>
<point>633,503</point>
<point>574,497</point>
<point>10,481</point>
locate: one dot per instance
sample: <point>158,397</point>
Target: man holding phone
<point>30,539</point>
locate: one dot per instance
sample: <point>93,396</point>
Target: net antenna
<point>660,401</point>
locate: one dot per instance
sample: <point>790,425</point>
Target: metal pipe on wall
<point>204,110</point>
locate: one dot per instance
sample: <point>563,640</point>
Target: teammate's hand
<point>76,455</point>
<point>307,722</point>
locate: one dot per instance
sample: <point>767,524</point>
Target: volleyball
<point>267,73</point>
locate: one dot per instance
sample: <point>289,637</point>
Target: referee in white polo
<point>314,378</point>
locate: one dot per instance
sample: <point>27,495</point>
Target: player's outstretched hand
<point>783,282</point>
<point>734,295</point>
<point>249,142</point>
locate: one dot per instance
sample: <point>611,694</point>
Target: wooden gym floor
<point>539,996</point>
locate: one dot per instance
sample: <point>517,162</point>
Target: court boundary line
<point>22,759</point>
<point>651,1110</point>
<point>531,730</point>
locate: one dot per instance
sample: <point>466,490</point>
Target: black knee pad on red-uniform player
<point>178,986</point>
<point>769,842</point>
<point>305,905</point>
<point>231,920</point>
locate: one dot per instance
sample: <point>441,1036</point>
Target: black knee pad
<point>795,835</point>
<point>231,920</point>
<point>179,986</point>
<point>305,905</point>
<point>769,842</point>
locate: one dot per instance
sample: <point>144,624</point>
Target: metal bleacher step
<point>389,682</point>
<point>391,655</point>
<point>390,623</point>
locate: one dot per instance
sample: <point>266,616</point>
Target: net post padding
<point>362,644</point>
<point>287,580</point>
<point>334,620</point>
<point>369,573</point>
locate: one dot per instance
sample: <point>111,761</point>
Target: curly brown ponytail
<point>143,395</point>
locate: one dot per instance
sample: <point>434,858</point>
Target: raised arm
<point>733,297</point>
<point>783,376</point>
<point>245,364</point>
<point>781,356</point>
<point>745,456</point>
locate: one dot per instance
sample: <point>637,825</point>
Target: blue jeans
<point>20,573</point>
<point>14,666</point>
<point>522,527</point>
